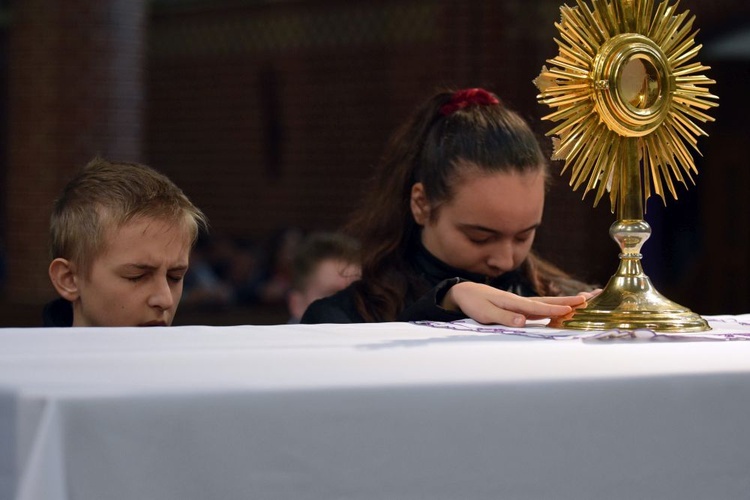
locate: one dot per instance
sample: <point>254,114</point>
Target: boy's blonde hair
<point>105,195</point>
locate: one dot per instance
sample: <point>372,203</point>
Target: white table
<point>389,411</point>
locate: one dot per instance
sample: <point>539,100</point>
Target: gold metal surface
<point>627,99</point>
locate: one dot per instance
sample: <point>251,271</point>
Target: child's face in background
<point>137,280</point>
<point>330,276</point>
<point>489,225</point>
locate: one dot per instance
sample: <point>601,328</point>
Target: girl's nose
<point>501,257</point>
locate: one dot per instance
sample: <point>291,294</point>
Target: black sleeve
<point>338,308</point>
<point>427,307</point>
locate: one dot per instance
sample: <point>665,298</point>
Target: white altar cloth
<point>374,411</point>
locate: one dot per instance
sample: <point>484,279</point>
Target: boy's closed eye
<point>176,278</point>
<point>138,272</point>
<point>524,237</point>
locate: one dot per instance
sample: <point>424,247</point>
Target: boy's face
<point>137,280</point>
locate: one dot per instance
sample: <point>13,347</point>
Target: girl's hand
<point>488,305</point>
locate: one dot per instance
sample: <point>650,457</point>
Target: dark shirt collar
<point>59,312</point>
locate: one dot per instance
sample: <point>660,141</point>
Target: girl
<point>447,227</point>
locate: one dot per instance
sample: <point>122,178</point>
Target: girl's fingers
<point>491,306</point>
<point>572,301</point>
<point>517,316</point>
<point>541,308</point>
<point>496,316</point>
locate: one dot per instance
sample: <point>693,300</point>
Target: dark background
<point>272,114</point>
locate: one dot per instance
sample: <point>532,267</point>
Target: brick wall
<point>75,87</point>
<point>272,114</point>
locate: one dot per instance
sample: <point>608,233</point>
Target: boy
<point>121,235</point>
<point>323,264</point>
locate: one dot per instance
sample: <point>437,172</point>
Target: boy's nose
<point>161,296</point>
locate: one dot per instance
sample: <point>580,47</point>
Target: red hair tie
<point>465,98</point>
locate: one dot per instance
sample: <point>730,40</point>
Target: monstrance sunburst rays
<point>666,99</point>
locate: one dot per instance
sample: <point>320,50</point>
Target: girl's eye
<point>479,241</point>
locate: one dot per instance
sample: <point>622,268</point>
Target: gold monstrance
<point>627,100</point>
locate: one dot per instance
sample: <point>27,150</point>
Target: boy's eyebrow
<point>477,227</point>
<point>148,267</point>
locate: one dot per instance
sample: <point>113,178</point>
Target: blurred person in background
<point>323,264</point>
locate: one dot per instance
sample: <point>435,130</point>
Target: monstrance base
<point>632,303</point>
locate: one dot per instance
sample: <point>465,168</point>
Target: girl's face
<point>489,224</point>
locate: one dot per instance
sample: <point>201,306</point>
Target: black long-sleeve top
<point>437,277</point>
<point>59,312</point>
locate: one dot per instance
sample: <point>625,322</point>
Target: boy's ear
<point>63,275</point>
<point>420,208</point>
